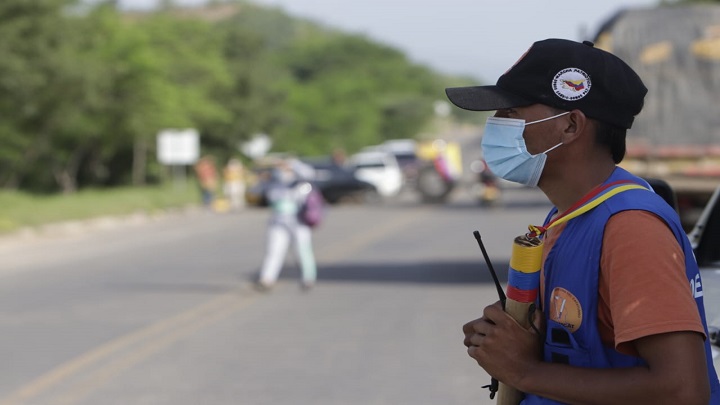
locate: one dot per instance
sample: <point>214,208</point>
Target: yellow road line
<point>91,358</point>
<point>118,366</point>
<point>162,334</point>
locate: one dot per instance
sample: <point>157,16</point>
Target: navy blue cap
<point>564,74</point>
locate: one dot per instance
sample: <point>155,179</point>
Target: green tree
<point>34,71</point>
<point>253,100</point>
<point>352,92</point>
<point>183,73</point>
<point>85,90</point>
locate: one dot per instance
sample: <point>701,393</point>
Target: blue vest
<point>573,265</point>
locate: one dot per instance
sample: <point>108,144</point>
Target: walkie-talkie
<point>523,286</point>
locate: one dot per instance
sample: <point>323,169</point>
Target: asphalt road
<point>162,311</point>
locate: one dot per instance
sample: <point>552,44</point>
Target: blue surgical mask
<point>506,154</point>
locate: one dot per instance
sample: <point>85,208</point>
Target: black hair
<point>608,135</point>
<point>612,137</point>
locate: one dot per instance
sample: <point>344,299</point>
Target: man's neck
<point>566,191</point>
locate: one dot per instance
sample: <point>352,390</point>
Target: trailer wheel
<point>433,188</point>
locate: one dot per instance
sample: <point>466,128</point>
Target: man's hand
<point>676,372</point>
<point>501,346</point>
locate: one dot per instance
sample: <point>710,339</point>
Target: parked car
<point>379,168</point>
<point>711,289</point>
<point>705,239</point>
<point>335,183</point>
<point>339,183</point>
<point>405,152</point>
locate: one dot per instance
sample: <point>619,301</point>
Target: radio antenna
<point>500,291</point>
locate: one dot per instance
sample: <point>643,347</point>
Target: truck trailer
<point>676,137</point>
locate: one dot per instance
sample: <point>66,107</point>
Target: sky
<point>479,38</point>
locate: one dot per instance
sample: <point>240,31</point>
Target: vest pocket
<point>562,348</point>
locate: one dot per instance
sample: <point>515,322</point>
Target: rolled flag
<point>524,271</point>
<point>522,290</point>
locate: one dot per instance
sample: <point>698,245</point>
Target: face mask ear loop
<point>548,118</point>
<point>554,147</point>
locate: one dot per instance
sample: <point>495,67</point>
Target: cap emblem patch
<point>571,84</point>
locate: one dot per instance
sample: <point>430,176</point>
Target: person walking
<point>286,195</point>
<point>621,317</point>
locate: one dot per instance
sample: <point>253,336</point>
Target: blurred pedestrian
<point>207,179</point>
<point>339,157</point>
<point>286,195</point>
<point>234,183</point>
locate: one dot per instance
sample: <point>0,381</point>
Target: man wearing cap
<point>622,315</point>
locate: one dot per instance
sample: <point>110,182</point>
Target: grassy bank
<point>18,210</point>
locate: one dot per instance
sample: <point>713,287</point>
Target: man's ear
<point>577,123</point>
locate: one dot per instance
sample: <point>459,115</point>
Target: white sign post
<point>178,148</point>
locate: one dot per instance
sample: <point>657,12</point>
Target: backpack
<point>312,211</point>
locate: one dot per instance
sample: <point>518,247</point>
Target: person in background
<point>207,179</point>
<point>339,157</point>
<point>286,195</point>
<point>622,318</point>
<point>234,183</point>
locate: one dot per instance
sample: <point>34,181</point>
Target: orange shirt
<point>643,289</point>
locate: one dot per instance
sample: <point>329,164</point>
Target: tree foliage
<point>84,90</point>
